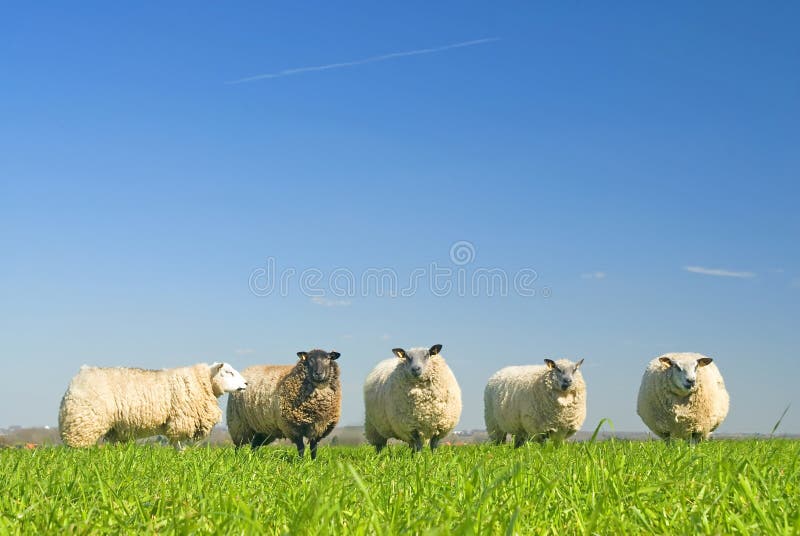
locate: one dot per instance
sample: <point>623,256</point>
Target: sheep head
<point>416,360</point>
<point>563,373</point>
<point>682,374</point>
<point>319,365</point>
<point>226,379</point>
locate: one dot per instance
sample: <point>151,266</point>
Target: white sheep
<point>414,398</point>
<point>535,402</point>
<point>682,396</point>
<point>121,404</point>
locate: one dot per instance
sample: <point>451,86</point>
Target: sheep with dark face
<point>413,397</point>
<point>535,402</point>
<point>292,401</point>
<point>682,396</point>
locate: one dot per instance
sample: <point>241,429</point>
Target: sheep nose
<point>416,371</point>
<point>689,384</point>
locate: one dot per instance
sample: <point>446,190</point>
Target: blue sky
<point>606,148</point>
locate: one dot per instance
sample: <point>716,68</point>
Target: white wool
<point>677,415</point>
<point>526,402</point>
<point>399,405</point>
<point>121,404</point>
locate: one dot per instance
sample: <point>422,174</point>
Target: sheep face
<point>682,375</point>
<point>319,364</point>
<point>563,376</point>
<point>225,379</point>
<point>415,360</point>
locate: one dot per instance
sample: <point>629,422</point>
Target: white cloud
<point>718,272</point>
<point>325,302</point>
<point>244,351</point>
<point>594,275</point>
<point>385,337</point>
<point>373,59</point>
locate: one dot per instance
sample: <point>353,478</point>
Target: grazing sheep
<point>413,398</point>
<point>535,401</point>
<point>122,404</point>
<point>682,396</point>
<point>293,401</point>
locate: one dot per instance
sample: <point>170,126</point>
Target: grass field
<point>613,487</point>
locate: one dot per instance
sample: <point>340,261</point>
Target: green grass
<point>612,487</point>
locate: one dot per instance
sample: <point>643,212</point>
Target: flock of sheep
<point>413,397</point>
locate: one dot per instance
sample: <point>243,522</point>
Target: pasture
<point>610,487</point>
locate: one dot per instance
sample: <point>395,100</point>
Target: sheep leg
<point>313,444</point>
<point>373,437</point>
<point>519,440</point>
<point>301,446</point>
<point>416,442</point>
<point>327,431</point>
<point>112,437</point>
<point>379,446</point>
<point>241,438</point>
<point>497,437</point>
<point>696,437</point>
<point>259,440</point>
<point>435,442</point>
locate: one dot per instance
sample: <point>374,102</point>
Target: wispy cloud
<point>385,337</point>
<point>244,351</point>
<point>718,272</point>
<point>373,59</point>
<point>594,275</point>
<point>325,302</point>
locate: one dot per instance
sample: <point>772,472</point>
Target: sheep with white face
<point>413,397</point>
<point>682,396</point>
<point>536,402</point>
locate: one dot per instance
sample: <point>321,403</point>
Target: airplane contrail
<point>373,59</point>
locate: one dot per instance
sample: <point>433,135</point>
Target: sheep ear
<point>334,355</point>
<point>435,349</point>
<point>302,355</point>
<point>666,360</point>
<point>703,361</point>
<point>577,365</point>
<point>399,352</point>
<point>216,367</point>
<point>550,363</point>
